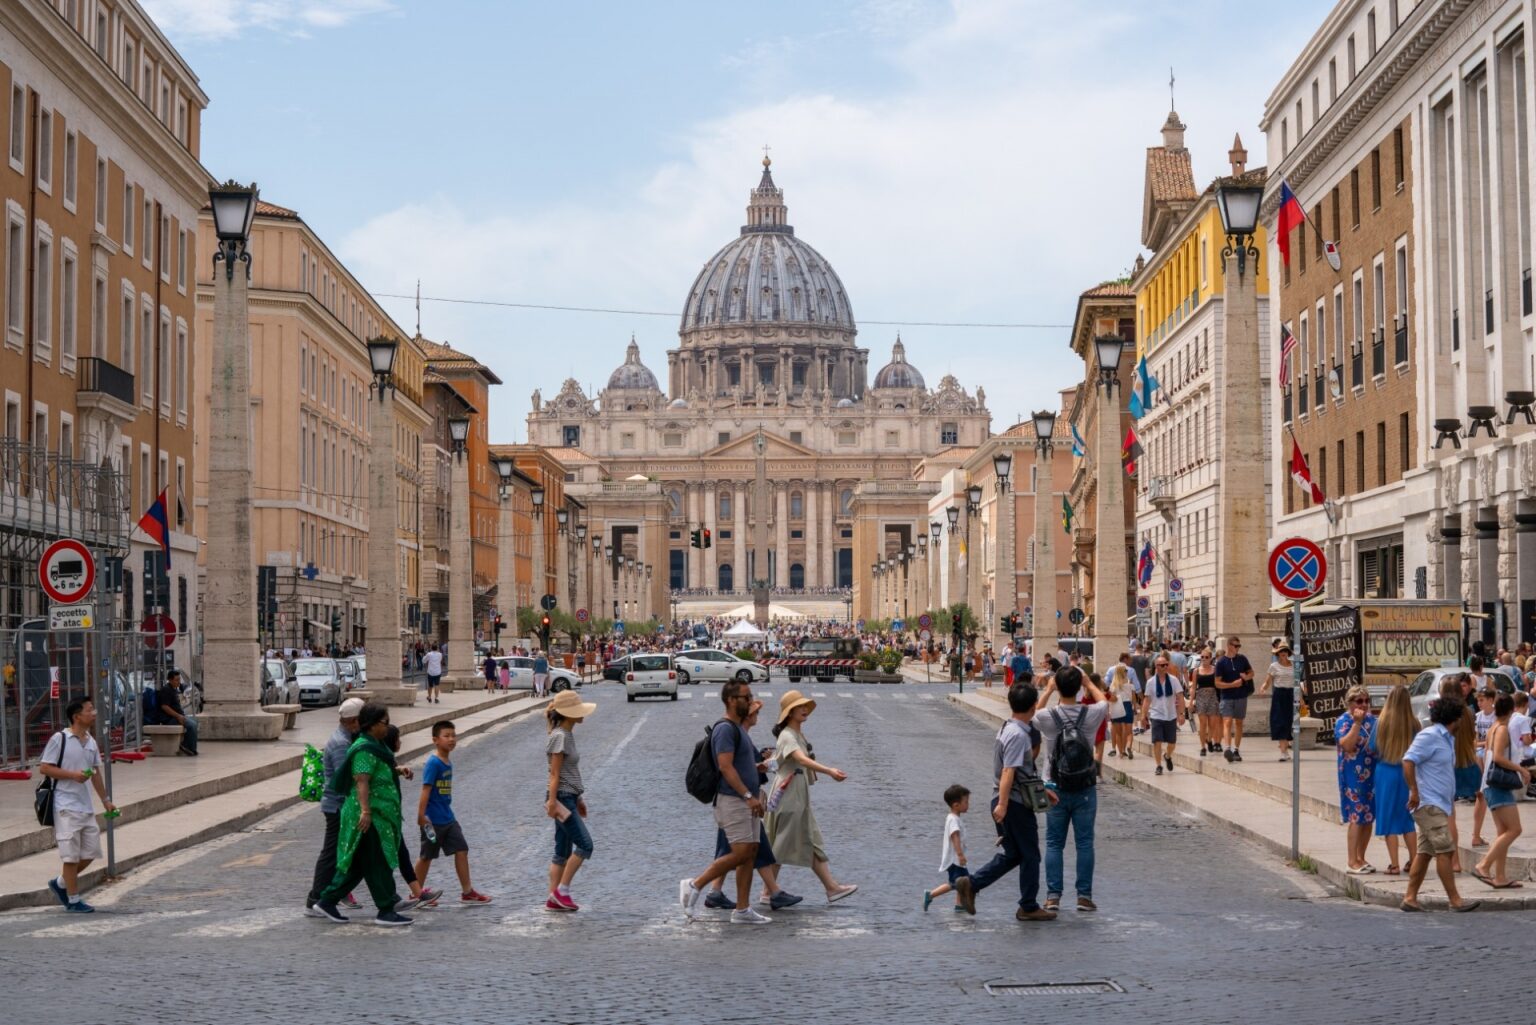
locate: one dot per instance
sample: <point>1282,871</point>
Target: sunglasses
<point>1361,701</point>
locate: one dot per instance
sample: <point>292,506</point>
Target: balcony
<point>106,387</point>
<point>1356,366</point>
<point>1400,341</point>
<point>1160,494</point>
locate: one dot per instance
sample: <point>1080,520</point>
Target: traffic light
<point>544,632</point>
<point>544,623</point>
<point>696,539</point>
<point>708,540</point>
<point>335,623</point>
<point>957,624</point>
<point>498,625</point>
<point>1006,624</point>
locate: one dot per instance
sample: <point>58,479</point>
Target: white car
<point>650,675</point>
<point>716,666</point>
<point>319,681</point>
<point>521,668</point>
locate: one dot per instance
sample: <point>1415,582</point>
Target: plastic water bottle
<point>114,813</point>
<point>430,833</point>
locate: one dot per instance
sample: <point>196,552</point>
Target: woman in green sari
<point>369,843</point>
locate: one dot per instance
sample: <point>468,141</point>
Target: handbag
<point>1501,778</point>
<point>42,797</point>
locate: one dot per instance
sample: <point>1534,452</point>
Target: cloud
<point>1000,178</point>
<point>213,20</point>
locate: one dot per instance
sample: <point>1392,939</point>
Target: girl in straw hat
<point>791,825</point>
<point>565,804</point>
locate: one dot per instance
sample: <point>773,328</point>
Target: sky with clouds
<point>971,161</point>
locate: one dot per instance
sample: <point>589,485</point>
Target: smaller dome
<point>679,403</point>
<point>633,375</point>
<point>898,373</point>
<point>844,403</point>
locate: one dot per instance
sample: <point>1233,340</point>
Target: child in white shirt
<point>952,859</point>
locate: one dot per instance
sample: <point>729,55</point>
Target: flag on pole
<point>155,523</point>
<point>1301,473</point>
<point>961,558</point>
<point>1142,389</point>
<point>1145,565</point>
<point>1079,446</point>
<point>1290,216</point>
<point>1066,514</point>
<point>1130,451</point>
<point>1287,346</point>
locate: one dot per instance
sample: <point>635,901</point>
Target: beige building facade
<point>767,342</point>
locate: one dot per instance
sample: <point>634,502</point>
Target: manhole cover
<point>1042,989</point>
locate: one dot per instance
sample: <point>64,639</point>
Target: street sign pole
<point>1297,569</point>
<point>1299,661</point>
<point>103,679</point>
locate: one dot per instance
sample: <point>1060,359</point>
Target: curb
<point>95,877</point>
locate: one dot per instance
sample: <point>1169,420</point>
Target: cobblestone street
<point>1194,925</point>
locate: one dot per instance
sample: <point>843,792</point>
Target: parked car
<point>362,669</point>
<point>351,675</point>
<point>650,675</point>
<point>319,681</point>
<point>715,666</point>
<point>616,669</point>
<point>521,666</point>
<point>277,688</point>
<point>1426,687</point>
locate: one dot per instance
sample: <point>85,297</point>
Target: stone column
<point>711,560</point>
<point>506,567</point>
<point>1044,633</point>
<point>781,535</point>
<point>1111,576</point>
<point>461,583</point>
<point>739,577</point>
<point>561,589</point>
<point>231,655</point>
<point>1242,574</point>
<point>1006,590</point>
<point>384,557</point>
<point>951,582</point>
<point>540,554</point>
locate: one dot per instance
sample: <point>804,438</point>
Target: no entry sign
<point>67,571</point>
<point>1297,568</point>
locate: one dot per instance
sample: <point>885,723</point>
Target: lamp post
<point>1239,208</point>
<point>231,655</point>
<point>646,593</point>
<point>935,571</point>
<point>909,590</point>
<point>609,584</point>
<point>953,590</point>
<point>460,655</point>
<point>1005,588</point>
<point>583,569</point>
<point>595,578</point>
<point>562,568</point>
<point>1043,587</point>
<point>506,546</point>
<point>847,604</point>
<point>1111,575</point>
<point>875,602</point>
<point>383,528</point>
<point>972,563</point>
<point>923,590</point>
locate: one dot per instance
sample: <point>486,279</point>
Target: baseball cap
<point>350,708</point>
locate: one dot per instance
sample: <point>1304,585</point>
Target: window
<point>15,278</point>
<point>1381,452</point>
<point>45,150</point>
<point>672,439</point>
<point>1397,157</point>
<point>1354,197</point>
<point>1379,286</point>
<point>182,369</point>
<point>796,438</point>
<point>101,194</point>
<point>18,125</point>
<point>627,440</point>
<point>68,304</point>
<point>1370,34</point>
<point>1316,105</point>
<point>99,316</point>
<point>1338,324</point>
<point>570,436</point>
<point>1285,137</point>
<point>796,505</point>
<point>1333,79</point>
<point>1349,48</point>
<point>125,356</point>
<point>1376,178</point>
<point>147,228</point>
<point>892,439</point>
<point>71,172</point>
<point>163,385</point>
<point>1359,309</point>
<point>66,437</point>
<point>42,296</point>
<point>165,245</point>
<point>1359,461</point>
<point>128,205</point>
<point>182,244</point>
<point>1404,445</point>
<point>147,353</point>
<point>847,437</point>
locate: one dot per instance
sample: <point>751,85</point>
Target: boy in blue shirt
<point>440,831</point>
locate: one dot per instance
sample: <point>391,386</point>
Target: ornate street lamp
<point>911,550</point>
<point>1109,349</point>
<point>608,552</point>
<point>1002,465</point>
<point>537,494</point>
<point>953,512</point>
<point>1239,207</point>
<point>1045,426</point>
<point>381,358</point>
<point>973,499</point>
<point>234,210</point>
<point>922,545</point>
<point>581,533</point>
<point>458,433</point>
<point>562,518</point>
<point>935,529</point>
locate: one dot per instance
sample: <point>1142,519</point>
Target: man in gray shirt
<point>1013,763</point>
<point>330,801</point>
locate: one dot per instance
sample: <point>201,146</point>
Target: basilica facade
<point>767,367</point>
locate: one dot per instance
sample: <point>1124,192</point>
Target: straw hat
<point>792,700</point>
<point>569,704</point>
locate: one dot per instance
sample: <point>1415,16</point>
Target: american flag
<point>1287,346</point>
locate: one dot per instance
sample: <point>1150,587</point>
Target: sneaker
<point>967,894</point>
<point>1237,756</point>
<point>842,892</point>
<point>1229,754</point>
<point>783,899</point>
<point>428,898</point>
<point>686,895</point>
<point>1168,761</point>
<point>717,901</point>
<point>1158,771</point>
<point>1204,749</point>
<point>928,899</point>
<point>565,901</point>
<point>1086,904</point>
<point>329,910</point>
<point>392,919</point>
<point>79,907</point>
<point>552,905</point>
<point>58,891</point>
<point>311,911</point>
<point>1130,754</point>
<point>406,903</point>
<point>473,897</point>
<point>749,916</point>
<point>1037,915</point>
<point>350,903</point>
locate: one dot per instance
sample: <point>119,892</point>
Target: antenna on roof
<point>418,307</point>
<point>1171,104</point>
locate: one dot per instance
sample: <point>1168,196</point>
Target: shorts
<point>1127,713</point>
<point>1494,797</point>
<point>957,872</point>
<point>1165,731</point>
<point>450,840</point>
<point>1234,708</point>
<point>77,835</point>
<point>1207,701</point>
<point>433,681</point>
<point>765,855</point>
<point>735,819</point>
<point>1434,830</point>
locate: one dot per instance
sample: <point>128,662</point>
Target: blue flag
<point>1143,388</point>
<point>1079,446</point>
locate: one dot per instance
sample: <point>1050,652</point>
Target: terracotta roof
<point>1170,175</point>
<point>265,209</point>
<point>441,354</point>
<point>1110,290</point>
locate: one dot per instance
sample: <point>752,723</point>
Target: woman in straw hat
<point>791,824</point>
<point>564,803</point>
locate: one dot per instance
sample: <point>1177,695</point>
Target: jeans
<point>325,865</point>
<point>189,734</point>
<point>1077,810</point>
<point>571,834</point>
<point>1021,849</point>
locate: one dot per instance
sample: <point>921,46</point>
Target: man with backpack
<point>1072,773</point>
<point>727,759</point>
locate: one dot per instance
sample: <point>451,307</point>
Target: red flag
<point>1290,215</point>
<point>157,525</point>
<point>1130,451</point>
<point>1301,473</point>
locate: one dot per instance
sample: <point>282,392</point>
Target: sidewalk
<point>171,803</point>
<point>1224,793</point>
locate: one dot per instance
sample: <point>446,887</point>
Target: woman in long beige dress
<point>791,824</point>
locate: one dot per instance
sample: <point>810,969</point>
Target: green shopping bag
<point>312,775</point>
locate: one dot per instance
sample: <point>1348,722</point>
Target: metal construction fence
<point>45,670</point>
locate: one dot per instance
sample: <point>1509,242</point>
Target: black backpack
<point>1072,764</point>
<point>703,779</point>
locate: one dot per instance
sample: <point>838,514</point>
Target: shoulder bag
<point>42,798</point>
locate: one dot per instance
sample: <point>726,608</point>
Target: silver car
<point>319,681</point>
<point>1425,688</point>
<point>276,687</point>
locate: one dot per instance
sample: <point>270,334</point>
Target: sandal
<point>1488,880</point>
<point>1406,906</point>
<point>1511,885</point>
<point>1393,870</point>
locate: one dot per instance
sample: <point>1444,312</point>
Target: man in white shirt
<point>433,664</point>
<point>1077,799</point>
<point>1162,707</point>
<point>70,759</point>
